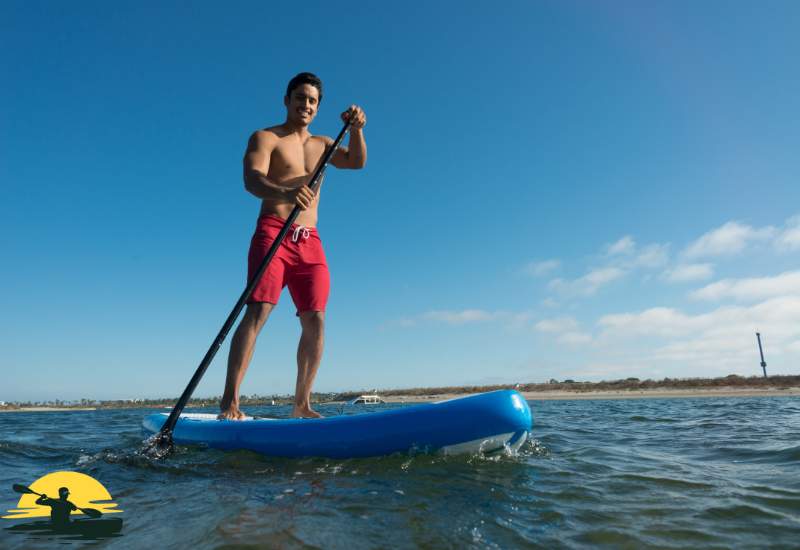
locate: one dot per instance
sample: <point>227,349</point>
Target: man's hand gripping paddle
<point>161,444</point>
<point>91,512</point>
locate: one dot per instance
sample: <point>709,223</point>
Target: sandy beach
<point>636,394</point>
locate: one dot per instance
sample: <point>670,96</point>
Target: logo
<point>68,504</point>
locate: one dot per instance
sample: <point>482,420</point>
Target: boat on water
<point>483,423</point>
<point>374,399</point>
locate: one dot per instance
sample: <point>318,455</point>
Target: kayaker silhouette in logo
<point>91,523</point>
<point>61,508</point>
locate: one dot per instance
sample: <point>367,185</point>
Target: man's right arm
<point>256,167</point>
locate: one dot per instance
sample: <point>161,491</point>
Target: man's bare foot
<point>304,412</point>
<point>230,413</point>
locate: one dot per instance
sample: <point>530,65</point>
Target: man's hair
<point>304,78</point>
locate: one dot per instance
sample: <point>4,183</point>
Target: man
<point>60,508</point>
<point>278,164</point>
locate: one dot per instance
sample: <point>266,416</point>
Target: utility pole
<point>763,364</point>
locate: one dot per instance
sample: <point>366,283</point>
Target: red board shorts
<point>299,264</point>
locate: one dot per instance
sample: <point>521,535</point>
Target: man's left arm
<point>354,156</point>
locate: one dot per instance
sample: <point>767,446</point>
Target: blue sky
<point>554,189</point>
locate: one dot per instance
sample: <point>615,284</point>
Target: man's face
<point>303,104</point>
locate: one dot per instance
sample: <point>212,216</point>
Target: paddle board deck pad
<point>482,423</point>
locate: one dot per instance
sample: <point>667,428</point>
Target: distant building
<point>2,403</point>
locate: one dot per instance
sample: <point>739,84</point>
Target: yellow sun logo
<point>84,492</point>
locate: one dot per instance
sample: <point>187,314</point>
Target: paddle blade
<point>158,446</point>
<point>24,490</point>
<point>91,512</point>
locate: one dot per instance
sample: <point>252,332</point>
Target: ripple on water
<point>638,418</point>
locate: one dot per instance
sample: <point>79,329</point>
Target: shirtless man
<point>278,164</point>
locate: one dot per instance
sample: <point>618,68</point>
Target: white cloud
<point>589,283</point>
<point>625,245</point>
<point>457,318</point>
<point>658,321</point>
<point>550,303</point>
<point>560,324</point>
<point>794,347</point>
<point>518,321</point>
<point>574,338</point>
<point>461,317</point>
<point>717,341</point>
<point>689,272</point>
<point>728,240</point>
<point>789,239</point>
<point>621,258</point>
<point>653,255</point>
<point>751,289</point>
<point>540,268</point>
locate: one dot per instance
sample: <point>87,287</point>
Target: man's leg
<point>242,346</point>
<point>309,354</point>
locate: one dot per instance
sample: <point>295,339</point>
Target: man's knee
<point>313,321</point>
<point>258,312</point>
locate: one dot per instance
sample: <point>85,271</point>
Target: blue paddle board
<point>481,423</point>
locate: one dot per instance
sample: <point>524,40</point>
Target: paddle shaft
<point>88,511</point>
<point>169,425</point>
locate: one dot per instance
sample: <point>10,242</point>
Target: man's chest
<point>295,159</point>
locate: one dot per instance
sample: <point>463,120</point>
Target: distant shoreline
<point>47,409</point>
<point>622,394</point>
<point>630,388</point>
<point>678,393</point>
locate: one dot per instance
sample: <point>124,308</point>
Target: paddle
<point>161,443</point>
<point>91,512</point>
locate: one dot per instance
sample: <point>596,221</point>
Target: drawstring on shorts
<point>300,230</point>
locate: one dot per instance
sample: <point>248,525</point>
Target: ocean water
<point>668,473</point>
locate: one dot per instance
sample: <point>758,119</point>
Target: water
<point>672,473</point>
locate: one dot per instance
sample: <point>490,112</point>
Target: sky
<point>582,190</point>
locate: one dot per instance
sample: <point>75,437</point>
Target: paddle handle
<point>22,489</point>
<point>169,425</point>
